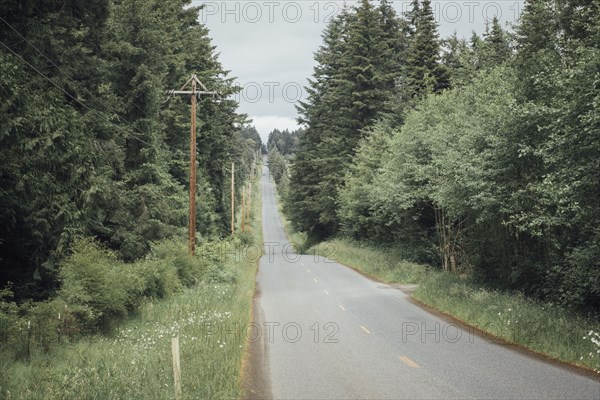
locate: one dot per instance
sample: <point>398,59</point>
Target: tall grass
<point>132,359</point>
<point>542,327</point>
<point>383,264</point>
<point>299,240</point>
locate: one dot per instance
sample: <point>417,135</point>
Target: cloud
<point>265,124</point>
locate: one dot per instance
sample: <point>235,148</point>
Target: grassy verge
<point>297,239</point>
<point>542,328</point>
<point>133,360</point>
<point>382,264</point>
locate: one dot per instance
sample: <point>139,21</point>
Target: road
<point>327,332</point>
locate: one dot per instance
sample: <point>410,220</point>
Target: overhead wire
<point>101,113</point>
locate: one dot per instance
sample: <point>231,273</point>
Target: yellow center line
<point>365,329</point>
<point>342,307</point>
<point>326,292</point>
<point>409,362</point>
<point>315,279</point>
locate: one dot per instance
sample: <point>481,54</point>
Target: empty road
<point>327,332</point>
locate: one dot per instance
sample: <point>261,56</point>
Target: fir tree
<point>424,71</point>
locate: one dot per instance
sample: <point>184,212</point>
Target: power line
<point>61,70</point>
<point>106,117</point>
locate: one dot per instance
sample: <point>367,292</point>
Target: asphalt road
<point>327,332</point>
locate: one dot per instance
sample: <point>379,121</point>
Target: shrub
<point>95,280</point>
<point>221,274</point>
<point>190,270</point>
<point>160,278</point>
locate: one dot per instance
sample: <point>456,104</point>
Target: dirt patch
<point>255,382</point>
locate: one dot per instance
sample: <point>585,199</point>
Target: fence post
<point>176,366</point>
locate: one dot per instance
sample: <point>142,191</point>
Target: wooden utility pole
<point>243,207</point>
<point>232,198</point>
<point>194,93</point>
<point>248,203</point>
<point>192,216</point>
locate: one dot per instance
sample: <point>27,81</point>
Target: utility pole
<point>232,198</point>
<point>195,94</point>
<point>243,207</point>
<point>248,202</point>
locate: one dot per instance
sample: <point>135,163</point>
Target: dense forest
<point>285,142</point>
<point>479,156</point>
<point>91,146</point>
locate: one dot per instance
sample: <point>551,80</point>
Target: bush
<point>9,320</point>
<point>160,278</point>
<point>190,270</point>
<point>221,274</point>
<point>94,280</point>
<point>98,290</point>
<point>245,238</point>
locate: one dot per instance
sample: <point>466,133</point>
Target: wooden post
<point>232,198</point>
<point>28,340</point>
<point>176,367</point>
<point>249,199</point>
<point>243,207</point>
<point>192,219</point>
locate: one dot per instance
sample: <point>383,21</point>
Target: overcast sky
<point>269,45</point>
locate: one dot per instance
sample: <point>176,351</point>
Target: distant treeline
<point>285,142</point>
<point>481,156</point>
<point>89,144</point>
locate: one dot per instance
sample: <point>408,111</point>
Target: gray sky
<point>269,45</point>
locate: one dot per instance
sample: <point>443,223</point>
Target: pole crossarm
<point>196,92</point>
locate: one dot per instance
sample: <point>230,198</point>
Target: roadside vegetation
<point>107,336</point>
<point>94,280</point>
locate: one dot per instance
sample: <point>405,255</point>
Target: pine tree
<point>424,71</point>
<point>304,200</point>
<point>496,49</point>
<point>353,86</point>
<point>89,147</point>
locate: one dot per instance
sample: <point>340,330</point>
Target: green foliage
<point>190,269</point>
<point>277,165</point>
<point>495,177</point>
<point>355,204</point>
<point>285,142</point>
<point>134,360</point>
<point>541,327</point>
<point>89,145</point>
<point>98,290</point>
<point>387,264</point>
<point>161,279</point>
<point>94,279</point>
<point>424,71</point>
<point>352,84</point>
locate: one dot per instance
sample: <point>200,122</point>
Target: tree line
<point>480,156</point>
<point>90,145</point>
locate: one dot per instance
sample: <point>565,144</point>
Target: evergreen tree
<point>424,71</point>
<point>360,60</point>
<point>317,114</point>
<point>496,48</point>
<point>89,147</point>
<point>53,141</point>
